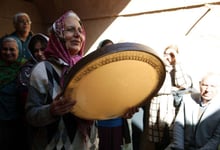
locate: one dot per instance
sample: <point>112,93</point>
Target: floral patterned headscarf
<point>56,49</point>
<point>56,46</point>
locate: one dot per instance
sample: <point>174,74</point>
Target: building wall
<point>10,7</point>
<point>43,13</point>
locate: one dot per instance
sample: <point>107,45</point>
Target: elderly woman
<point>47,109</point>
<point>12,130</point>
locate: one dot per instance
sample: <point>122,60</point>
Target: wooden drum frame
<point>110,80</point>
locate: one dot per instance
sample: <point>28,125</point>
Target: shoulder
<point>14,35</point>
<point>39,65</point>
<point>30,35</point>
<point>38,71</point>
<point>42,68</point>
<point>38,77</point>
<point>191,98</point>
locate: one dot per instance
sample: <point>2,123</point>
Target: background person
<point>197,125</point>
<point>160,112</point>
<point>36,46</point>
<point>105,42</point>
<point>22,33</point>
<point>12,129</point>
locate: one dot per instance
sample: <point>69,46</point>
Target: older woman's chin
<point>10,60</point>
<point>74,50</point>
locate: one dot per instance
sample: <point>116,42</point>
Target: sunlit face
<point>73,35</point>
<point>209,88</point>
<point>9,52</point>
<point>23,24</point>
<point>39,51</point>
<point>169,56</point>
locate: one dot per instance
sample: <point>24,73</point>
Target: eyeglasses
<point>24,22</point>
<point>8,48</point>
<point>208,85</point>
<point>74,30</point>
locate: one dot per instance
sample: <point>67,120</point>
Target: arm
<point>37,108</point>
<point>214,141</point>
<point>178,130</point>
<point>37,111</point>
<point>45,100</point>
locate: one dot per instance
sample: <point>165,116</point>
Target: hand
<point>129,114</point>
<point>171,57</point>
<point>174,57</point>
<point>61,105</point>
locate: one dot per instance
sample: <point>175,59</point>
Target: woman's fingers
<point>61,106</point>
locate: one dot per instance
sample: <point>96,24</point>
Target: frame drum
<point>110,80</point>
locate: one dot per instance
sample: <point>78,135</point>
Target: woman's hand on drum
<point>130,112</point>
<point>61,105</point>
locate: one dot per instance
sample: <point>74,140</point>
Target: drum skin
<point>110,80</point>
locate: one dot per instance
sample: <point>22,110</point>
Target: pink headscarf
<point>56,46</point>
<point>56,49</point>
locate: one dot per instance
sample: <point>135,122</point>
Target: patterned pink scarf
<point>56,49</point>
<point>56,46</point>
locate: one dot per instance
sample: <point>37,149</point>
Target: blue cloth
<point>9,102</point>
<point>111,122</point>
<point>23,45</point>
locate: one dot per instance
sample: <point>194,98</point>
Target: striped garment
<point>53,132</point>
<point>162,111</point>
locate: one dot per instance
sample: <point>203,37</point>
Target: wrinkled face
<point>39,51</point>
<point>73,35</point>
<point>9,52</point>
<point>209,88</point>
<point>23,24</point>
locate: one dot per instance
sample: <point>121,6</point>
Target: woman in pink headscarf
<point>48,111</point>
